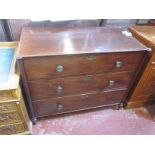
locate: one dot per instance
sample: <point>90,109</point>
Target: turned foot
<point>34,120</point>
<point>119,106</point>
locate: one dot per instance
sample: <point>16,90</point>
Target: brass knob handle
<point>59,106</point>
<point>87,78</point>
<point>59,68</point>
<point>111,82</point>
<point>91,57</point>
<point>118,64</point>
<point>59,89</point>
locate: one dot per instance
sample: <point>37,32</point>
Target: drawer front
<point>12,129</point>
<point>9,95</point>
<point>76,103</point>
<point>78,84</point>
<point>60,66</point>
<point>12,117</point>
<point>8,107</point>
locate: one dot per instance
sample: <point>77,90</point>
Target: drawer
<point>12,117</point>
<point>60,66</point>
<point>8,107</point>
<point>7,95</point>
<point>78,84</point>
<point>76,103</point>
<point>12,129</point>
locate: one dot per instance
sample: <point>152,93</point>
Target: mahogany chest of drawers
<point>144,91</point>
<point>66,70</point>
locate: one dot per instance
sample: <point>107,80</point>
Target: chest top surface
<point>146,32</point>
<point>45,41</point>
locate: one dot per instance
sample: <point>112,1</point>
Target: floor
<point>99,122</point>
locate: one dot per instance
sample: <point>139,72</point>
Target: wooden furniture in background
<point>13,114</point>
<point>3,35</point>
<point>14,28</point>
<point>73,69</point>
<point>144,92</point>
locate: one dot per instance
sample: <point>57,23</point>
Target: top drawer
<point>68,65</point>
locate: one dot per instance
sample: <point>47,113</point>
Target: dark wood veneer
<point>93,67</point>
<point>78,84</point>
<point>45,67</point>
<point>78,102</point>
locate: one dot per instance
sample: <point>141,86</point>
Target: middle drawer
<point>42,89</point>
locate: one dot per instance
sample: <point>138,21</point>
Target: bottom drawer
<point>78,102</point>
<point>12,129</point>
